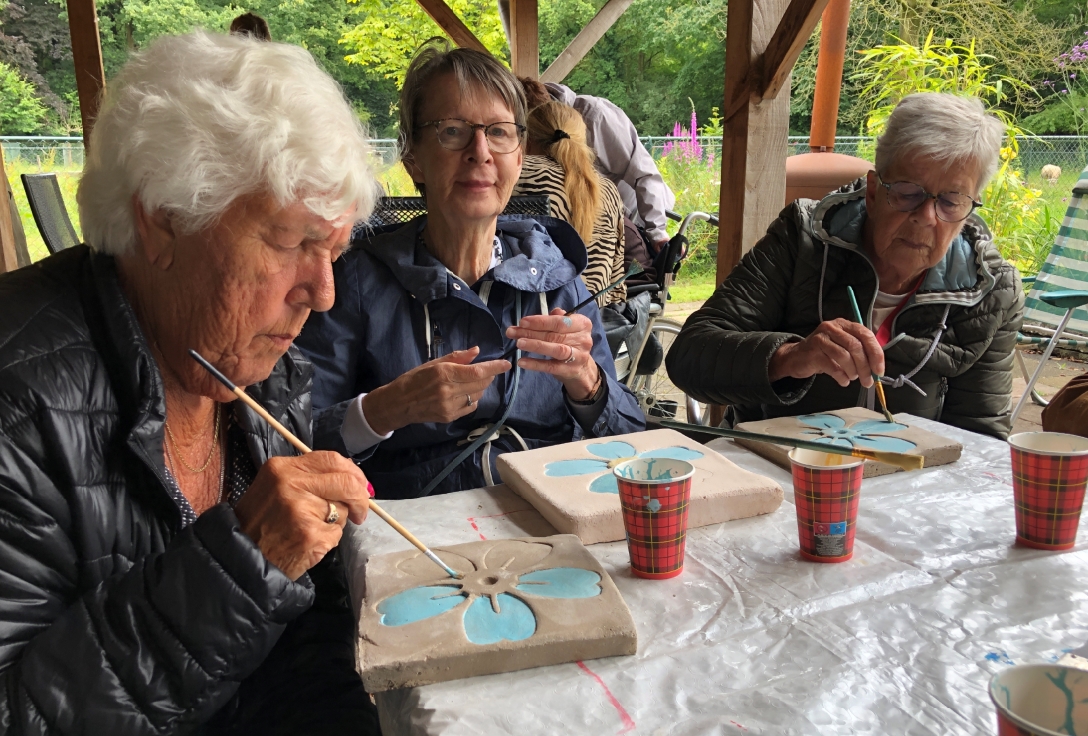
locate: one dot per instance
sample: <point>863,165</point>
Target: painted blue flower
<point>612,453</point>
<point>868,434</point>
<point>494,609</point>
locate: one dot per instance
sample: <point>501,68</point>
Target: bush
<point>21,112</point>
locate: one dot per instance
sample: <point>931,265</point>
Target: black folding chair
<point>50,214</point>
<point>399,210</point>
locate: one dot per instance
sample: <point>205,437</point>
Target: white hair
<point>195,122</point>
<point>949,128</point>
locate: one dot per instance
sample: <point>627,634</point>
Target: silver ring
<point>468,400</point>
<point>333,515</point>
<point>571,358</point>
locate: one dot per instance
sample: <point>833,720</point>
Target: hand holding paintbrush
<point>876,378</point>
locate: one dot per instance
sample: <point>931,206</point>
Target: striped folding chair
<point>1055,313</point>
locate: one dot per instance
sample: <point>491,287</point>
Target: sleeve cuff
<point>356,431</point>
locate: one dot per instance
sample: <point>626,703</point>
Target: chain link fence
<point>1070,153</point>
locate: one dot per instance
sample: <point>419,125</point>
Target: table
<point>902,639</point>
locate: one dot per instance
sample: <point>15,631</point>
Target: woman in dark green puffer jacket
<point>941,307</point>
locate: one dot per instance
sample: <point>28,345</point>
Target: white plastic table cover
<point>902,639</point>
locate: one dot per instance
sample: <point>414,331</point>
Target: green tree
<point>21,112</point>
<point>387,32</point>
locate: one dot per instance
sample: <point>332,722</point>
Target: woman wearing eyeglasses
<point>410,376</point>
<point>941,307</point>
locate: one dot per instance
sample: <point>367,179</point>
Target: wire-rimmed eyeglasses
<point>455,134</point>
<point>906,196</point>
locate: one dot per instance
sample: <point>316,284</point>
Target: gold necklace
<point>211,452</point>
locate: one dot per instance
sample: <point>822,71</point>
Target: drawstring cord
<point>486,460</point>
<point>904,379</point>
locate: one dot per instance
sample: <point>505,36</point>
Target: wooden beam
<point>767,73</point>
<point>453,26</point>
<point>87,57</point>
<point>9,253</point>
<point>524,39</point>
<point>793,32</point>
<point>753,160</point>
<point>577,49</point>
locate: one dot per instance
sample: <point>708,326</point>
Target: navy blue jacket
<point>376,331</point>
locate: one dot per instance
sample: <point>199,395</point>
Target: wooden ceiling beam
<point>524,39</point>
<point>586,39</point>
<point>453,26</point>
<point>766,75</point>
<point>87,57</point>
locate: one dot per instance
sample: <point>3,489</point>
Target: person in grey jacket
<point>623,159</point>
<point>164,554</point>
<point>941,308</point>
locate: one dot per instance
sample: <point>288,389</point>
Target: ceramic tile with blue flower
<point>546,598</point>
<point>608,455</point>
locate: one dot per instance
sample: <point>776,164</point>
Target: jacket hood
<point>546,255</point>
<point>561,92</point>
<point>964,276</point>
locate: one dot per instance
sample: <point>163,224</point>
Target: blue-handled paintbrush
<point>876,378</point>
<point>634,270</point>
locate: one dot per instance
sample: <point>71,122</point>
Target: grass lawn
<point>696,288</point>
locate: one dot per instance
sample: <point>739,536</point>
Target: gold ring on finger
<point>333,516</point>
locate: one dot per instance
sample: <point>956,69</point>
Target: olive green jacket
<point>950,354</point>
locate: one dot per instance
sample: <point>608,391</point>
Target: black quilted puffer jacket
<point>114,619</point>
<point>950,353</point>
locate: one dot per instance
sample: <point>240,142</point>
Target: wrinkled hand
<point>567,341</point>
<point>284,510</point>
<point>438,391</point>
<point>840,348</point>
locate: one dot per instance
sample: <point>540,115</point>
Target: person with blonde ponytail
<point>560,165</point>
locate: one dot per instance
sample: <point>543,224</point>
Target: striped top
<point>542,175</point>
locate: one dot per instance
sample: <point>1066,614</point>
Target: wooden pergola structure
<point>763,40</point>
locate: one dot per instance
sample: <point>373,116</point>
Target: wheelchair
<point>649,381</point>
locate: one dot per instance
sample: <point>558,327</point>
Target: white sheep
<point>1051,173</point>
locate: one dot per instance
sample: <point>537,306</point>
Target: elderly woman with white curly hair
<point>156,536</point>
<point>941,307</point>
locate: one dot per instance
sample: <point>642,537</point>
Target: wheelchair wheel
<point>657,395</point>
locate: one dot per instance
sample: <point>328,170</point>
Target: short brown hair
<point>435,58</point>
<point>536,94</point>
<point>251,24</point>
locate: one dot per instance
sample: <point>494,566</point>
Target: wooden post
<point>453,26</point>
<point>754,137</point>
<point>577,49</point>
<point>87,57</point>
<point>9,253</point>
<point>524,39</point>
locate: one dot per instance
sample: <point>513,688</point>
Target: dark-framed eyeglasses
<point>455,134</point>
<point>906,196</point>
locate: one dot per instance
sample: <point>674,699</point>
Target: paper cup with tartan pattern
<point>654,495</point>
<point>826,490</point>
<point>1040,700</point>
<point>1049,473</point>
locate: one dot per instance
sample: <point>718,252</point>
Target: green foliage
<point>891,72</point>
<point>1058,118</point>
<point>1020,220</point>
<point>387,32</point>
<point>21,112</point>
<point>659,54</point>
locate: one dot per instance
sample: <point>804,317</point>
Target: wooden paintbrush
<point>634,270</point>
<point>906,462</point>
<point>876,378</point>
<point>301,447</point>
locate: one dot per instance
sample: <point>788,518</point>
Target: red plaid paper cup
<point>654,495</point>
<point>1040,700</point>
<point>826,490</point>
<point>1049,473</point>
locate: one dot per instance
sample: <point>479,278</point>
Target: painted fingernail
<point>568,321</point>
